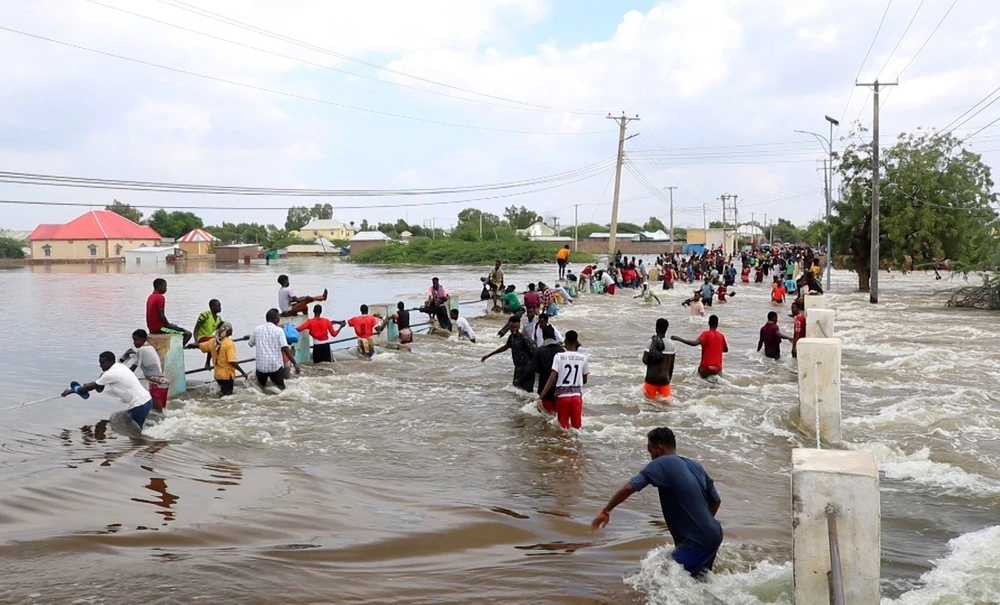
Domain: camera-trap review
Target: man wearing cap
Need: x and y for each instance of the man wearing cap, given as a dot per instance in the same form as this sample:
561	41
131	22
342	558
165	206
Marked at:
522	350
566	379
688	499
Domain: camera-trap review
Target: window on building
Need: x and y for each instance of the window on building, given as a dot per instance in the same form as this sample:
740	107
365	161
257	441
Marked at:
93	249
118	249
47	250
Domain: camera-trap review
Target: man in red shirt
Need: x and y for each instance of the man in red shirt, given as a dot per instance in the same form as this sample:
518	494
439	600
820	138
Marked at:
778	293
713	344
771	337
156	318
322	330
365	326
799	330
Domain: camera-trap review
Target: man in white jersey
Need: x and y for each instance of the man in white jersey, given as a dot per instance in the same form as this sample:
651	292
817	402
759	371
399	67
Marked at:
122	383
569	373
464	329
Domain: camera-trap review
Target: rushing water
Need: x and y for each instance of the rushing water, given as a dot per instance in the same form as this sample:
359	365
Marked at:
424	477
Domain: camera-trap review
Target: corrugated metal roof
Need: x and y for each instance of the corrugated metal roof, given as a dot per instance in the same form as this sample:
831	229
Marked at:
197	235
95	225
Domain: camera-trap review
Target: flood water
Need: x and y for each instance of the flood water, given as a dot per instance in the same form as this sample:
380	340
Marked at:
424	477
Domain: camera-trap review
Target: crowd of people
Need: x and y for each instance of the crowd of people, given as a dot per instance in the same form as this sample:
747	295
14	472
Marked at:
546	362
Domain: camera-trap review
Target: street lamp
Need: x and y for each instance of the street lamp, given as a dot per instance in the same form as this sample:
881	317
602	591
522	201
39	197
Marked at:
828	183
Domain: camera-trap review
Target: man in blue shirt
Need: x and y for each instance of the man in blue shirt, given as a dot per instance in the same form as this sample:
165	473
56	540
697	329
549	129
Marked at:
687	497
707	292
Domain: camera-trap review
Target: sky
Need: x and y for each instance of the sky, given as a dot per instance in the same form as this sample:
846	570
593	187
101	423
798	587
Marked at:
314	94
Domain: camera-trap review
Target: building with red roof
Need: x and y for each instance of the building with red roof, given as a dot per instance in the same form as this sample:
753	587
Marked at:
96	235
197	242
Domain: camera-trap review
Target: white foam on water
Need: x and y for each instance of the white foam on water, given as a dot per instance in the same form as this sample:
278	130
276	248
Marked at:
919	468
665	582
969	574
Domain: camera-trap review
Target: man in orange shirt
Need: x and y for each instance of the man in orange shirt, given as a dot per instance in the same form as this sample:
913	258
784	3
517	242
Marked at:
562	259
322	330
778	293
365	326
713	344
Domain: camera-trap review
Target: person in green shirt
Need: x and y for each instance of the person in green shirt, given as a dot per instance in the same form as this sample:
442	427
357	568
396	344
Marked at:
510	301
207	324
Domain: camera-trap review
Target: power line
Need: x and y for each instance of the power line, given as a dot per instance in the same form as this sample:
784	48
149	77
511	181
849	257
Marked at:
246	26
900	41
865	60
335	69
284	208
25	178
980	130
980	102
290	94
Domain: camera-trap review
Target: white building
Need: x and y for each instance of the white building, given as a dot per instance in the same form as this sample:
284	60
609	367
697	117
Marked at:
620	237
538	229
151	256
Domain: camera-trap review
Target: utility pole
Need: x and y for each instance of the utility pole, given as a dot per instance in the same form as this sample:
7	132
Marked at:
576	225
876	229
763	231
671	218
704	216
754	225
622	122
480	224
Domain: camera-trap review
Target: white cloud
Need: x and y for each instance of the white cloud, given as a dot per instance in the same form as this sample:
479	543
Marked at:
701	73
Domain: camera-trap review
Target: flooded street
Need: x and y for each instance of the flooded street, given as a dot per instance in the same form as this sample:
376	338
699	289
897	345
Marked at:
425	477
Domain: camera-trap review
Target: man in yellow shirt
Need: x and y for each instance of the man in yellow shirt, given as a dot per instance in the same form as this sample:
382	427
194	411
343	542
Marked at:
222	349
562	259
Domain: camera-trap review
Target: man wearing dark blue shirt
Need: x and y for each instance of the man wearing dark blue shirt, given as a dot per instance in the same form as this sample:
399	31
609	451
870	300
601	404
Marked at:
687	497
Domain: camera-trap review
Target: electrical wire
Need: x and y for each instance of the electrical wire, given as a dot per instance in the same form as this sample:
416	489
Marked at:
246	26
980	130
284	208
900	41
949	129
335	69
865	60
919	50
23	178
292	94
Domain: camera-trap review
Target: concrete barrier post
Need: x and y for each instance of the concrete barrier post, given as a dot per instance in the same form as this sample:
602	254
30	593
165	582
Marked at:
383	310
454	303
819	387
303	348
814	301
170	348
819	323
847	481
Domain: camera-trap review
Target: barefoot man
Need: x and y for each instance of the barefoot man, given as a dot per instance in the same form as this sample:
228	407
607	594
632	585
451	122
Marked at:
289	304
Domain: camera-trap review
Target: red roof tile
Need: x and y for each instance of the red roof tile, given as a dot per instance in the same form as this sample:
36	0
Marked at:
95	225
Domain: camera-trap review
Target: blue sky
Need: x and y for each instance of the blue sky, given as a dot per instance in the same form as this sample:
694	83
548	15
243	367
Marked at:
720	86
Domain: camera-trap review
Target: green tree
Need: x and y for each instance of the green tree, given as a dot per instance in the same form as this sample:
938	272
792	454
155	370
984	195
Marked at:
174	224
654	224
628	228
585	230
934	204
815	233
321	212
125	210
11	248
785	232
520	218
298	217
471	221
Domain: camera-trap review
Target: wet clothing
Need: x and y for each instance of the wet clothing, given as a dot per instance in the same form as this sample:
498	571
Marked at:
542	361
222	357
659	361
512	302
522	351
277	377
707	291
713	344
532	299
364	325
686	491
320	328
770	336
123	384
139	413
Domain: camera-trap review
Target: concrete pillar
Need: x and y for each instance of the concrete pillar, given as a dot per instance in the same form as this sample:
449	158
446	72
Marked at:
815	301
847	481
170	348
303	348
819	386
391	333
819	323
